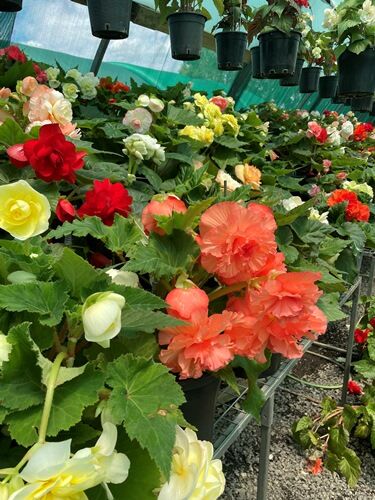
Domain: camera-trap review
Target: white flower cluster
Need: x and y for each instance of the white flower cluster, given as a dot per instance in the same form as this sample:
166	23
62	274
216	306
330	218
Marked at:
367	13
359	188
87	84
331	19
144	147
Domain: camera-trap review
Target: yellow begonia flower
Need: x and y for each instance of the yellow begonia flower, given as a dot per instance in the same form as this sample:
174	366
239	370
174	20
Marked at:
194	475
51	472
200	100
201	134
232	123
212	112
23	211
249	174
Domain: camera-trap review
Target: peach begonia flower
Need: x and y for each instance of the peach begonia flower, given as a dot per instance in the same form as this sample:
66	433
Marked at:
286	311
249	174
70	129
238	243
48	104
160	205
5	93
29	85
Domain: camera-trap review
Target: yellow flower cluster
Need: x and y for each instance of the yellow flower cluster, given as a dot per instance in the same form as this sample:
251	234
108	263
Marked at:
214	119
201	134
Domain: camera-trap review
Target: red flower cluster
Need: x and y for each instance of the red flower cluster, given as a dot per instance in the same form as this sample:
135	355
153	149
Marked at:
315	130
316	467
362	131
360	336
355	210
40	75
113	87
354	388
220	101
13	53
51	156
303	3
372	322
166	207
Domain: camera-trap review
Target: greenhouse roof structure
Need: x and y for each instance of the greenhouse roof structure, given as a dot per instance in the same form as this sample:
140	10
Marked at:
59	31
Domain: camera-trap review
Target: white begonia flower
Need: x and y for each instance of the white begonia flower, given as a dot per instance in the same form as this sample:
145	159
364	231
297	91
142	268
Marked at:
222	178
101	317
5	349
367	13
359	188
334	136
315	215
316	52
125	278
156	105
88	83
292	202
74	74
307	44
331	19
144	147
143	100
194	474
138	119
347	130
315	114
70	91
52	74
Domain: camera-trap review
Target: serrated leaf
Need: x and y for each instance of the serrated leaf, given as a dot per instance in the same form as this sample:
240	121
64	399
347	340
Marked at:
310	231
183	221
329	304
179	116
11	133
366	368
45	299
350	467
332	246
355	234
139	320
80	228
138	298
338	440
328	405
302	424
350	417
145	398
164	256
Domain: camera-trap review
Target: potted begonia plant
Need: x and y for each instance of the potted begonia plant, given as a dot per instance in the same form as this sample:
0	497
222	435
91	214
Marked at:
231	40
110	19
186	21
10	5
276	24
329	81
312	54
352	24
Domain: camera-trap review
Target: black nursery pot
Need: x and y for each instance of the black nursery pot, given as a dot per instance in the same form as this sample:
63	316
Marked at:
357	73
373	110
278	53
293	80
230	49
308	83
10	5
328	86
255	63
110	19
363	104
199	409
186	34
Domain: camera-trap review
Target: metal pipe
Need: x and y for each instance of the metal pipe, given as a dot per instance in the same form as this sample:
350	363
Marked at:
99	56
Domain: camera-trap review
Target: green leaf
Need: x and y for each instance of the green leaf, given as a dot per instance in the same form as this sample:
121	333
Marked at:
20	385
355	234
310	231
366	368
227	374
183	221
338	440
80	228
328	405
350	417
164	256
332	246
138	298
179	116
302	424
139	320
329	304
145	398
229	142
350	467
45	299
11	133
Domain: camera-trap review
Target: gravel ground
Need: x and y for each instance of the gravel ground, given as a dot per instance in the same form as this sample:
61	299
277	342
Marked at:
288	477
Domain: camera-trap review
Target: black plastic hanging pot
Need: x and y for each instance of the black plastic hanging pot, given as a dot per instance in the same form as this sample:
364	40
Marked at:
199	409
110	19
186	34
356	73
363	103
255	63
293	80
10	5
308	83
339	99
328	86
278	53
373	110
230	49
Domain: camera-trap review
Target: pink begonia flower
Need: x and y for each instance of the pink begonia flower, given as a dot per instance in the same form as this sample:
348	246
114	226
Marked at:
314	190
166	207
327	166
315	130
139	120
5	93
48	104
221	102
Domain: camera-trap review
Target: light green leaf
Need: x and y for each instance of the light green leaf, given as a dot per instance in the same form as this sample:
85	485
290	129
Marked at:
332	246
183	221
350	467
310	231
329	304
11	133
139	320
366	368
145	398
179	116
80	228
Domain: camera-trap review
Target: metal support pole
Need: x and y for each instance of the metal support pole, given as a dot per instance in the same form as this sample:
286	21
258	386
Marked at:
99	56
353	321
316	103
265	443
371	275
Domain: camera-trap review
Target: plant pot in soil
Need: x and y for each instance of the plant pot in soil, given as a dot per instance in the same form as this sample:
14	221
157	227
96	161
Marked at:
293	80
10	5
308	83
278	53
255	63
328	86
363	104
356	73
186	34
230	49
199	409
110	19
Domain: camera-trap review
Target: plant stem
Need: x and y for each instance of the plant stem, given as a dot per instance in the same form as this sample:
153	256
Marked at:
225	290
318	386
49	396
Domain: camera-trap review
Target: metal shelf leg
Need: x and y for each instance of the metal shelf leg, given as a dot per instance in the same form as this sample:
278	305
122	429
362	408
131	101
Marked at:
371	276
265	442
353	321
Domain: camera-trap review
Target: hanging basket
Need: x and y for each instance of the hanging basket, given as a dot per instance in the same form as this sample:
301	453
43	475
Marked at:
186	34
363	104
199	409
230	49
110	19
255	63
309	80
10	5
356	73
278	53
293	80
328	86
